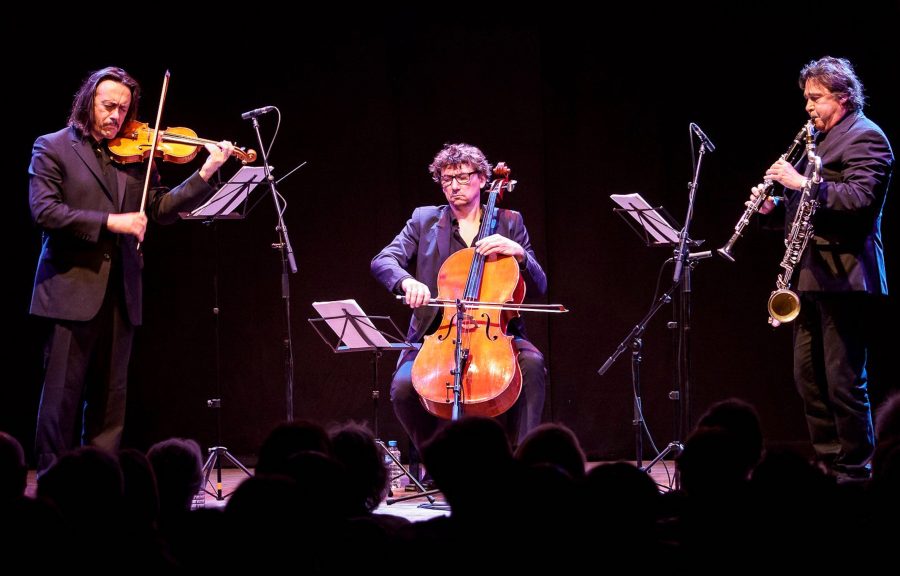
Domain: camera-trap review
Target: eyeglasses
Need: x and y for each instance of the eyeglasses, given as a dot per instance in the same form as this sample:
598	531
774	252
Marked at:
463	178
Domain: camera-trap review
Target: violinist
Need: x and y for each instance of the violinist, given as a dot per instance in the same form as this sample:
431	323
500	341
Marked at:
87	288
409	266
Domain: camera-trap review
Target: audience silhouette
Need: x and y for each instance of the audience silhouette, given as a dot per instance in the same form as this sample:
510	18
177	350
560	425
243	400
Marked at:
316	503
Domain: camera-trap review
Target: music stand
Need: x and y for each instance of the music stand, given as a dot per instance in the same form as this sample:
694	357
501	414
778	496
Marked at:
653	225
222	205
356	332
657	228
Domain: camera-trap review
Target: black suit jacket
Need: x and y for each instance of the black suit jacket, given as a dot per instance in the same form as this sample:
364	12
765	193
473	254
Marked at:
424	244
70	200
846	252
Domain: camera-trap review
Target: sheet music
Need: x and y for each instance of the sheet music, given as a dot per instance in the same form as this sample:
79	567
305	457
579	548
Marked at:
648	217
336	312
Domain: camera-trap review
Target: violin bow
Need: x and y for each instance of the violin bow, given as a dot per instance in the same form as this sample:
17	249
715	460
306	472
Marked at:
153	146
441	302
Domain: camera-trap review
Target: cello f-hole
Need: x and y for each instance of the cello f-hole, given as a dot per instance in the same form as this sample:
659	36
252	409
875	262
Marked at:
487	326
444	336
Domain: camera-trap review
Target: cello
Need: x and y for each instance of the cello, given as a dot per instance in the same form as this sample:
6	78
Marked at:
470	360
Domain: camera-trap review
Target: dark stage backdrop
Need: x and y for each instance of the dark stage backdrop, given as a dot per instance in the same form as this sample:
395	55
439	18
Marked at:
579	108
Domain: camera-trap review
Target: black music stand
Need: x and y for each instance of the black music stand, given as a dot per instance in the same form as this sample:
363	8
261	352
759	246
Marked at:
655	227
357	332
229	197
223	205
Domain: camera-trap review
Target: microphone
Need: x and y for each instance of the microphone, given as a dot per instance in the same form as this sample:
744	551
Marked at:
257	112
700	255
703	137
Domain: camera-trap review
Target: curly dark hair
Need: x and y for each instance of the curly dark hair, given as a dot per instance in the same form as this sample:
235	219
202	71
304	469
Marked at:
82	116
838	76
457	154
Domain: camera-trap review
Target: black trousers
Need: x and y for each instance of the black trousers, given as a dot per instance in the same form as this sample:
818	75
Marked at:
524	415
85	378
830	350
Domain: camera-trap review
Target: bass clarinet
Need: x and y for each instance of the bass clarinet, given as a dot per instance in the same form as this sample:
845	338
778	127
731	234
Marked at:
784	304
725	251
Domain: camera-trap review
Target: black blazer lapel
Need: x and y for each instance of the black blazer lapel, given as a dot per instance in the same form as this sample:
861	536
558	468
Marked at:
835	136
121	177
444	231
89	157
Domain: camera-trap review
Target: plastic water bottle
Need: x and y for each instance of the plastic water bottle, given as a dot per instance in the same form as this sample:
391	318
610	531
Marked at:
199	500
395	473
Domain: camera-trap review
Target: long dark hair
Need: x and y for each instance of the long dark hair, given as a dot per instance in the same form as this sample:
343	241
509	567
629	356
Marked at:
838	76
82	116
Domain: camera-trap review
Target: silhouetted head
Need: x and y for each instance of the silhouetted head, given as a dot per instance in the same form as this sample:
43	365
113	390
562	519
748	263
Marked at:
13	469
554	444
741	420
287	439
353	445
466	456
178	466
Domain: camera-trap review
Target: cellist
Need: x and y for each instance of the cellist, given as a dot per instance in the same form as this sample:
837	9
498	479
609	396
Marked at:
409	266
87	287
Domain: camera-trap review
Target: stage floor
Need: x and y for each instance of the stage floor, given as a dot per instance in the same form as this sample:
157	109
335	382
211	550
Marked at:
414	509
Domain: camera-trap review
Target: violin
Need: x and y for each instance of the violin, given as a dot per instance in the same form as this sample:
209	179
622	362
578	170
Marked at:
178	145
490	379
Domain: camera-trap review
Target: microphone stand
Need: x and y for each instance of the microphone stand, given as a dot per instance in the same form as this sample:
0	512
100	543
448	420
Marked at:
684	263
461	356
635	342
681	251
287	260
682	277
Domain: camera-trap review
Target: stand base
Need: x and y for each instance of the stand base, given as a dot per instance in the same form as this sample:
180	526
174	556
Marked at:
421	491
216	453
674	448
435	506
430	505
